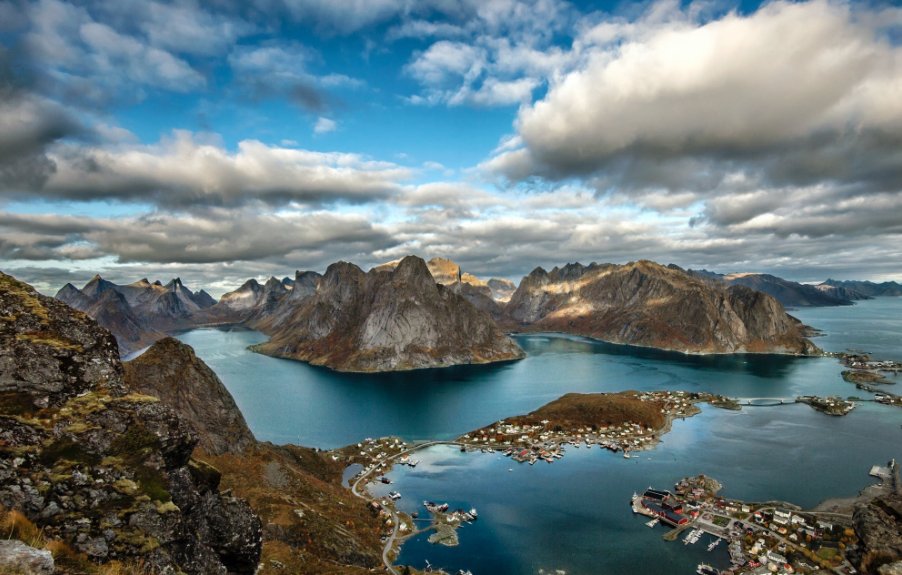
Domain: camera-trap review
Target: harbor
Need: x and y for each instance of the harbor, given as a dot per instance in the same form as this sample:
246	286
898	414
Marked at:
772	537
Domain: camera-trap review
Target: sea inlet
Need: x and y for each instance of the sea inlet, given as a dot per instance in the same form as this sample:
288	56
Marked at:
574	515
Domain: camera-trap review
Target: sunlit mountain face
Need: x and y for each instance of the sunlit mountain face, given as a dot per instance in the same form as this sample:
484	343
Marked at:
221	141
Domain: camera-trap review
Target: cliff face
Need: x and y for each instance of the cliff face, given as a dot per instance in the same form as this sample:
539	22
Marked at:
170	371
394	319
103	469
647	304
878	524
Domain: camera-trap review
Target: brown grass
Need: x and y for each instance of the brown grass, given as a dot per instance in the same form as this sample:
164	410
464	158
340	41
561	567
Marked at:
596	410
15	525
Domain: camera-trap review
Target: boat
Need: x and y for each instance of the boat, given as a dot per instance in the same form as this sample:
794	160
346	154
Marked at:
705	569
626	454
653	522
394	495
714	544
473	513
385	480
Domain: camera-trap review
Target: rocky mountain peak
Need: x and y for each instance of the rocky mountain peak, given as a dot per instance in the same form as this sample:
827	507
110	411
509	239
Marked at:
392	318
646	303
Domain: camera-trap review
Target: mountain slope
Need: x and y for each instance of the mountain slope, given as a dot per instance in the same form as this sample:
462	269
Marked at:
172	372
98	467
644	303
787	292
394	319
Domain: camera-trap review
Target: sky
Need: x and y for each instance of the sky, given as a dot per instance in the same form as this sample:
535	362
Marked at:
220	140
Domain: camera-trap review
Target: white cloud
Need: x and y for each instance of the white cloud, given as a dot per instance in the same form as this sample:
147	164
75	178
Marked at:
75	48
499	54
324	126
185	170
737	84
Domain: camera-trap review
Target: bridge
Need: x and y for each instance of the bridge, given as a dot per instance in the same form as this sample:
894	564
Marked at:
765	401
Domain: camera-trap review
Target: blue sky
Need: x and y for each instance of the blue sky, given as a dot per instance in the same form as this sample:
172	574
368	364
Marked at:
219	141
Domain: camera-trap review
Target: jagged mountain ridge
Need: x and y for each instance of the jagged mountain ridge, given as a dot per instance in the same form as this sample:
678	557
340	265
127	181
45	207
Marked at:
868	288
644	303
393	318
787	292
138	313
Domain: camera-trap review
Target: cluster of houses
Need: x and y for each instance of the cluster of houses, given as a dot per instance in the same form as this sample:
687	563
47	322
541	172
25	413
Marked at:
763	539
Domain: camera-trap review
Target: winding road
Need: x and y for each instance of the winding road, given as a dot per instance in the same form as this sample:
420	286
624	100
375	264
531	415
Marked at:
390	542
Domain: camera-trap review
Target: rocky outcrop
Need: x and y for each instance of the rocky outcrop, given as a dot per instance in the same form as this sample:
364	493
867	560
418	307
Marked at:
170	371
17	557
644	303
878	524
104	469
389	319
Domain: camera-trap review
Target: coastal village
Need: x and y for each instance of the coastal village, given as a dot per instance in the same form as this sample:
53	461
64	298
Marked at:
761	538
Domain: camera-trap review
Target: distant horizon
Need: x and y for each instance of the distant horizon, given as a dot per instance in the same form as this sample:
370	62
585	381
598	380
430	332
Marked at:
221	141
51	290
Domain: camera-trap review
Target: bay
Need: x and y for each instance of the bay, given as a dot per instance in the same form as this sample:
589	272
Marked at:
574	515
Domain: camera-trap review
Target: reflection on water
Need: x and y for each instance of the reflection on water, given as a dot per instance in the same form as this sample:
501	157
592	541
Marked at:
290	402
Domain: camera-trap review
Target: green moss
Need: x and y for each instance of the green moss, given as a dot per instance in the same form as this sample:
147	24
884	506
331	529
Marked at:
133	445
152	483
28	298
204	474
66	449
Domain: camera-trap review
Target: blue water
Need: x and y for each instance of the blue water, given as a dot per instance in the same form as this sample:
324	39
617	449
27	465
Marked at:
869	325
574	514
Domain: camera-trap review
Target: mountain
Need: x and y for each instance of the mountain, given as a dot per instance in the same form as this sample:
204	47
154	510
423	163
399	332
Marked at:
172	372
302	287
394	318
471	288
787	292
840	292
644	303
102	470
138	313
502	289
869	289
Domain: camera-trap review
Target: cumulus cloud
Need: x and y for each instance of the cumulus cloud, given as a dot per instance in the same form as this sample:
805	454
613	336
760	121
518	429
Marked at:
283	71
765	122
496	54
184	170
86	59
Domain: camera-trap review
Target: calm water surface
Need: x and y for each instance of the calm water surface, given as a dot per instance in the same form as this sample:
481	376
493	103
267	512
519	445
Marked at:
574	515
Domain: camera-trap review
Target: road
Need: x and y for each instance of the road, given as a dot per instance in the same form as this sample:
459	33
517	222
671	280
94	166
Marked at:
390	542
